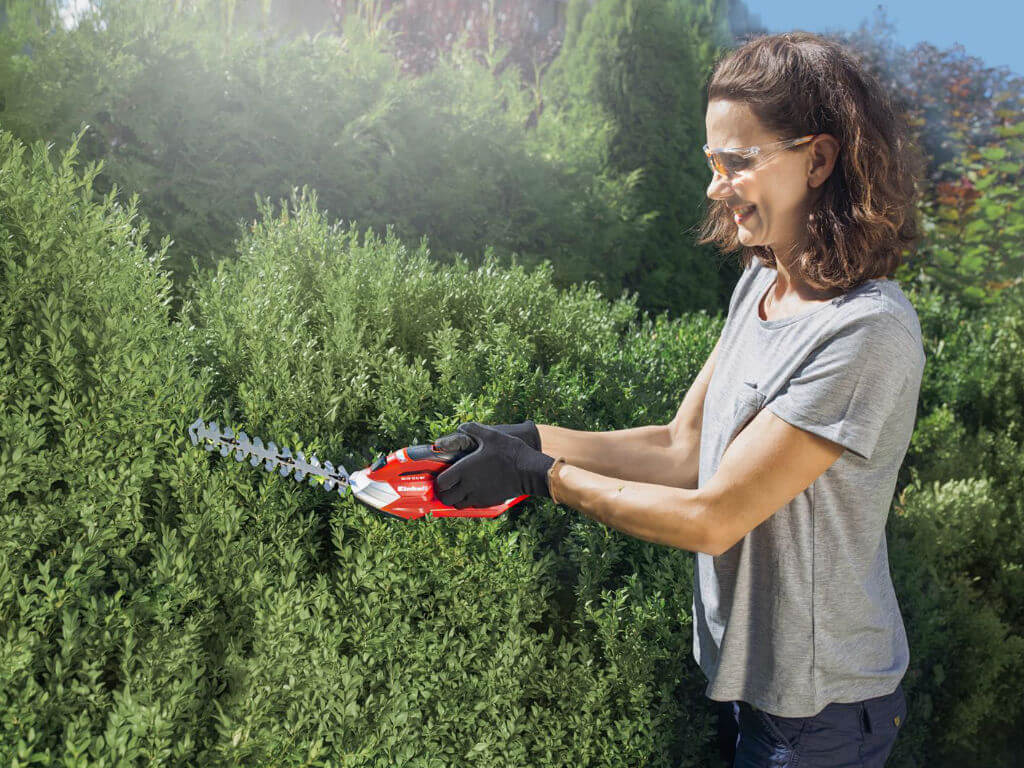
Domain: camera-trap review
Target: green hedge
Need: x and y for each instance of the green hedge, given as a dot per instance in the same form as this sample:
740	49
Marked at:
102	638
162	604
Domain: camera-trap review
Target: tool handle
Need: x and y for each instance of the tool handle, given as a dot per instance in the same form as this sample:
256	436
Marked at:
457	443
416	453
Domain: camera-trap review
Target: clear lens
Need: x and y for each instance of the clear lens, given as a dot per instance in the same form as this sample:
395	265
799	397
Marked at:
733	162
728	163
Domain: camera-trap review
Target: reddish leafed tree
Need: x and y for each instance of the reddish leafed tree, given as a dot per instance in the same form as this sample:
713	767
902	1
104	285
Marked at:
954	102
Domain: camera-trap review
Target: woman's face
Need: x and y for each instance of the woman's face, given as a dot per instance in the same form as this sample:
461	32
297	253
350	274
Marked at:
781	189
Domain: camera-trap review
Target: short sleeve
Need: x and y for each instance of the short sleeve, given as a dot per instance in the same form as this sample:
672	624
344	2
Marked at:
848	386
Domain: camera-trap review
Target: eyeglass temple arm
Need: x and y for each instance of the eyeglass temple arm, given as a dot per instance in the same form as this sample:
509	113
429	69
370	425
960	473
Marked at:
784	144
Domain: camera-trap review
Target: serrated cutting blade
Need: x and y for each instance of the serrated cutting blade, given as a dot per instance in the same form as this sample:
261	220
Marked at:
327	475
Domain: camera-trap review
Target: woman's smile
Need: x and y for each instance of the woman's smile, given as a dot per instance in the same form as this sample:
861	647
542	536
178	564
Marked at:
741	214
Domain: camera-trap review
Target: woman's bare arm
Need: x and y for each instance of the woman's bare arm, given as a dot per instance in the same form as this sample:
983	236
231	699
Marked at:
666	454
640	453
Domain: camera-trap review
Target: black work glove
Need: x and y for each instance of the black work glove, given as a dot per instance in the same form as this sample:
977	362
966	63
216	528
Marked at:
500	467
526	431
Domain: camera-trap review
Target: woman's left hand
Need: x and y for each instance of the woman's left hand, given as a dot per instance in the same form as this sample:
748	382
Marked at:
500	468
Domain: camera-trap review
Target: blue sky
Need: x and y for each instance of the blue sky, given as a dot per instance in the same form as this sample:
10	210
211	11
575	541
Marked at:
988	29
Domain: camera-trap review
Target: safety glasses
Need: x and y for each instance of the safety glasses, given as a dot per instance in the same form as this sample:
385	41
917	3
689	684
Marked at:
729	161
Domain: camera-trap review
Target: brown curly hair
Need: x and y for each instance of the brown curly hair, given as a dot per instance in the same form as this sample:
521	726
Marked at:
797	83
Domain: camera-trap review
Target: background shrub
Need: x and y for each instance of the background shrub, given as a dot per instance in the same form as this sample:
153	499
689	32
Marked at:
201	118
640	66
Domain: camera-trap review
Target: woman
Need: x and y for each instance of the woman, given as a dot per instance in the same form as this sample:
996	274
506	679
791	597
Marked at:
779	468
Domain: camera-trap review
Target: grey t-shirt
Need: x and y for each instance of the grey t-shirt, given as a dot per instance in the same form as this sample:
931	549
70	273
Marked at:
801	612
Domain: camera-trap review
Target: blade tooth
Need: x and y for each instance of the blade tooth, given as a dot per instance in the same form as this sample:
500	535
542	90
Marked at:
299	475
193	431
272	463
224	449
285	453
332	479
243	448
258	445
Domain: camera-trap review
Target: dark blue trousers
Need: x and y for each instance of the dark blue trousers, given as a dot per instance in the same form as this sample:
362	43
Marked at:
857	735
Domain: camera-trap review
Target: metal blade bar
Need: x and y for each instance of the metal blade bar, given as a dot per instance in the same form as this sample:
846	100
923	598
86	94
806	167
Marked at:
326	475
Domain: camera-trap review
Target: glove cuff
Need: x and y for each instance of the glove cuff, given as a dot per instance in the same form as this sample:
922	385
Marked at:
533	469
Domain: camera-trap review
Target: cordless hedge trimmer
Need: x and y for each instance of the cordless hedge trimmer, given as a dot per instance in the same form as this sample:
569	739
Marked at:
399	484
